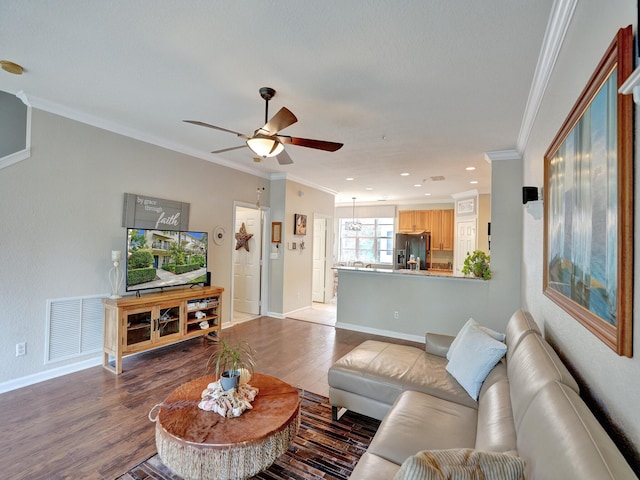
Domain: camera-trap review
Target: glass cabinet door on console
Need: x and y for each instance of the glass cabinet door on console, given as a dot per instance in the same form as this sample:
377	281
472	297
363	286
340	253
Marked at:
139	326
168	323
148	325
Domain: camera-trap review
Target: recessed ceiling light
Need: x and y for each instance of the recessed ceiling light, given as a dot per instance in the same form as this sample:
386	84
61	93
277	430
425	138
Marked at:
427	194
418	185
405	174
470	168
348	179
473	182
368	189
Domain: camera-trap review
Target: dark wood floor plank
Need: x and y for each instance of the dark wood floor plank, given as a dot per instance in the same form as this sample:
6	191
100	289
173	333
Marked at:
93	424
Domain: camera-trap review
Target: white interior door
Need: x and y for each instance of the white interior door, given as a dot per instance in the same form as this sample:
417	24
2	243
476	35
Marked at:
319	260
246	264
465	241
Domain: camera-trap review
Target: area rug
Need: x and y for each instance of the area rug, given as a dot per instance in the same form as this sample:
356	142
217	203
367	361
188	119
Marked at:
323	449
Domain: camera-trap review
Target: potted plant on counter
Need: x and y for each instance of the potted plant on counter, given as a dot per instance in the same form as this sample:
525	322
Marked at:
230	362
477	264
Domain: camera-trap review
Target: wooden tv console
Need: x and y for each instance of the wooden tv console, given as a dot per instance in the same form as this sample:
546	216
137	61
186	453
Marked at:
133	324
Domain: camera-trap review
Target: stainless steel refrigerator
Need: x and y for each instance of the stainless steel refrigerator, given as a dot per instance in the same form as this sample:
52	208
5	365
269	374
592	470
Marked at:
416	244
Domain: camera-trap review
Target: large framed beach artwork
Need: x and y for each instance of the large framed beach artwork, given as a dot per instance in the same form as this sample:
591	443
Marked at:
588	208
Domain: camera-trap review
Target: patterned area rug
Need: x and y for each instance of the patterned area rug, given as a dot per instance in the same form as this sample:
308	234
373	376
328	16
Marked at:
323	449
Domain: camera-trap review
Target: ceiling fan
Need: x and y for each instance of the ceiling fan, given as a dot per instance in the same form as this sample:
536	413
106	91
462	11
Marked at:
266	141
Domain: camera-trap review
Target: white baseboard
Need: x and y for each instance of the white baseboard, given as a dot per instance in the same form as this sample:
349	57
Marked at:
49	374
377	331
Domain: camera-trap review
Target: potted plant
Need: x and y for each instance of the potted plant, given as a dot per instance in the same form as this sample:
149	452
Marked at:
477	263
229	361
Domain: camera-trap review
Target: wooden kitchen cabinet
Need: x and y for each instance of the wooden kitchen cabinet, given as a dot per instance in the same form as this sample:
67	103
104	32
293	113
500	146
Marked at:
442	230
438	222
413	221
134	324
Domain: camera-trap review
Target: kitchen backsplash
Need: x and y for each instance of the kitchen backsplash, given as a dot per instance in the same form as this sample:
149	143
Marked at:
442	259
441	266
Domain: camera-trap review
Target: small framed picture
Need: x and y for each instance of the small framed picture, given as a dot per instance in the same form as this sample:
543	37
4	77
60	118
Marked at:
300	224
467	206
276	232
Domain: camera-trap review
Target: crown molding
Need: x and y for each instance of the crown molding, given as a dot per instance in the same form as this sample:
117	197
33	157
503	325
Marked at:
632	85
499	155
559	20
99	122
468	193
293	178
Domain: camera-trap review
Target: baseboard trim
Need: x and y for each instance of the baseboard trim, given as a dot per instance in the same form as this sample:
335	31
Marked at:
49	374
377	331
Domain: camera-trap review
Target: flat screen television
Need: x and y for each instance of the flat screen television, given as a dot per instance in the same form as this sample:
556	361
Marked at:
163	258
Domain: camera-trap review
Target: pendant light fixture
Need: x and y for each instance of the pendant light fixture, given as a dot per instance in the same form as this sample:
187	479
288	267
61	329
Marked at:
353	225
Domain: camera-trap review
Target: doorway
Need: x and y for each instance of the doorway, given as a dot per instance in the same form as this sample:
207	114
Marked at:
247	261
319	274
466	242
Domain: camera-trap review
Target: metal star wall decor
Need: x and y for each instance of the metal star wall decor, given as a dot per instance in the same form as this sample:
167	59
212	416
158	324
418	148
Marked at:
242	238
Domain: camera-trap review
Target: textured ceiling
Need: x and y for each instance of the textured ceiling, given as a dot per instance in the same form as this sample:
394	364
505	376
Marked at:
424	87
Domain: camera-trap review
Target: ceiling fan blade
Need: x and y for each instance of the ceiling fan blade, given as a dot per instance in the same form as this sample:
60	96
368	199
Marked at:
279	121
284	158
307	142
229	149
202	124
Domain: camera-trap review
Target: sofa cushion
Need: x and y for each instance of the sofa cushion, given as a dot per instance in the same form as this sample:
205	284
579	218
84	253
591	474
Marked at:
496	431
519	326
533	365
381	371
474	357
437	343
559	437
371	467
460	464
418	421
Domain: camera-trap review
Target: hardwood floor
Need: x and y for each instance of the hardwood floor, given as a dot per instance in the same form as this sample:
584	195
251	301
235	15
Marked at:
93	424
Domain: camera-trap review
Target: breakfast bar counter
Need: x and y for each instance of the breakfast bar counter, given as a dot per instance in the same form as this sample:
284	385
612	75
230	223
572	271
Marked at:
407	303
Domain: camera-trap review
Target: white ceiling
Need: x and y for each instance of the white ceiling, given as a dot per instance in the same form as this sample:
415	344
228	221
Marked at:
424	87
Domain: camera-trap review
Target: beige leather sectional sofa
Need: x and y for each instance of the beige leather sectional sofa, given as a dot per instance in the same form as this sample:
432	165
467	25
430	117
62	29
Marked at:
528	405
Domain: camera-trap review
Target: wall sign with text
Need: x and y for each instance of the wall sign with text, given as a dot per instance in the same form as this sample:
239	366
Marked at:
144	212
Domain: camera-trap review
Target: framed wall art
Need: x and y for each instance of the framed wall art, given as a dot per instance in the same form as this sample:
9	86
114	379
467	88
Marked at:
276	232
300	224
588	209
466	206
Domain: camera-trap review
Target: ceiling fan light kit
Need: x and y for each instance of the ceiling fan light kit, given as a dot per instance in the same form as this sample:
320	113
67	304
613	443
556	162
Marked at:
265	146
265	141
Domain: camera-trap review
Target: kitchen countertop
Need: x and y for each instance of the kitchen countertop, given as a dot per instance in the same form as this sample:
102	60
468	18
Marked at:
417	273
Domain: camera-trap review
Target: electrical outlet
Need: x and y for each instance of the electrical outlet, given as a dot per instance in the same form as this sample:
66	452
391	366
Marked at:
396	315
21	349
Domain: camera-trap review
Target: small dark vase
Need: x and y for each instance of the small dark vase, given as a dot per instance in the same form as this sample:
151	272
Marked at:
229	379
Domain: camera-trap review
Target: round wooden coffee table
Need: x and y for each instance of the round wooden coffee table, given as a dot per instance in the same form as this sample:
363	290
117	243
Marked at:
196	444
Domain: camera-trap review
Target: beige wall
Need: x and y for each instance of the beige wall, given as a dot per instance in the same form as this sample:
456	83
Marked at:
610	379
484	217
61	216
298	263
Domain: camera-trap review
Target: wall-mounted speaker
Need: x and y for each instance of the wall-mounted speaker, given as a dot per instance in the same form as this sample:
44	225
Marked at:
529	194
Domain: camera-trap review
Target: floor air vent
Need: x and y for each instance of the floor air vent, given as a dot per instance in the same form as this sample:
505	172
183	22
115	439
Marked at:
74	327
